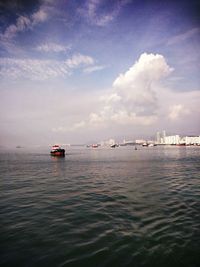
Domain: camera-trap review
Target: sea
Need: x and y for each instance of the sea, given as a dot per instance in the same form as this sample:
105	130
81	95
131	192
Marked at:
100	207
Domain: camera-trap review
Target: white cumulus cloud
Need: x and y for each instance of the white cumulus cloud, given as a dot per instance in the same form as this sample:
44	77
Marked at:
132	100
136	86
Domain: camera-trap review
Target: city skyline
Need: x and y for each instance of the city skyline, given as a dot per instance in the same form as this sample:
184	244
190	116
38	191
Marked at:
74	71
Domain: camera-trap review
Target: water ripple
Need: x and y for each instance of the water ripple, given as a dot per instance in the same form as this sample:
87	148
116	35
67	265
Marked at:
101	208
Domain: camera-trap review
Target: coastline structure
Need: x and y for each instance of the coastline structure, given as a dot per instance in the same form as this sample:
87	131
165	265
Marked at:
163	139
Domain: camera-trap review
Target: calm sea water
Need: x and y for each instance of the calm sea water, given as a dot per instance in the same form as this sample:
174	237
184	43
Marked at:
101	207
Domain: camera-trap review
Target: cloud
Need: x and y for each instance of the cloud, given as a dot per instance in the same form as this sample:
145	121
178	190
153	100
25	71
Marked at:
64	129
36	69
177	111
136	86
24	23
78	60
93	69
121	117
33	69
111	98
39	16
97	12
52	47
183	36
132	100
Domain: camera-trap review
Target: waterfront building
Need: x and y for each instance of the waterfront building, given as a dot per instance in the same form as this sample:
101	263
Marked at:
128	142
176	139
164	135
172	140
158	138
192	140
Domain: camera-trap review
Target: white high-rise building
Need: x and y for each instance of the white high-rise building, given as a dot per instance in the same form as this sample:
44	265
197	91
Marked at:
172	140
158	138
164	134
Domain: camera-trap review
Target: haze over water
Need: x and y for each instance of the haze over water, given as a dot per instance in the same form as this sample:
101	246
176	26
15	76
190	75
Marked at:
101	207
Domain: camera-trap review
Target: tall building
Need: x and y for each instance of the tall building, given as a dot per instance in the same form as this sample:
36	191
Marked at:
158	138
164	136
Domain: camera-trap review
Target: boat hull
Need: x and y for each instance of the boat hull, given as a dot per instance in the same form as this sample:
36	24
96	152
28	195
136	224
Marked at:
60	153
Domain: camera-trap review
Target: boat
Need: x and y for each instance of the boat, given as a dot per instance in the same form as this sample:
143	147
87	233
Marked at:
57	151
19	147
114	145
95	145
145	144
151	145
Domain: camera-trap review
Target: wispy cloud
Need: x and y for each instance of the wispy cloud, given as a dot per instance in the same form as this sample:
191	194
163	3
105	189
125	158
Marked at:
39	16
93	69
36	69
21	24
33	69
24	23
53	47
96	13
183	36
78	60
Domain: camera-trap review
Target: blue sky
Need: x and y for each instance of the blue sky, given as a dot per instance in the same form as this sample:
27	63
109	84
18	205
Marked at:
75	71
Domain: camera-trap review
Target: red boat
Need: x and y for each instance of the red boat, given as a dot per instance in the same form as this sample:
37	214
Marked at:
57	151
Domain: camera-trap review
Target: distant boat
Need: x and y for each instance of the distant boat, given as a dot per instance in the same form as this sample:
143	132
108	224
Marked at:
95	145
114	145
151	144
57	151
144	144
19	147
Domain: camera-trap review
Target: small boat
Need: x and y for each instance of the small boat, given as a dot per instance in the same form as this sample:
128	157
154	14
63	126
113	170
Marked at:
151	145
145	144
57	151
95	145
114	145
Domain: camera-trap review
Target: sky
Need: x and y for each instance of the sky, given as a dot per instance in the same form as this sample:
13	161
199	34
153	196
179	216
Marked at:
80	71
